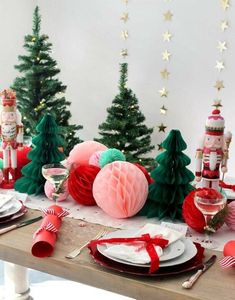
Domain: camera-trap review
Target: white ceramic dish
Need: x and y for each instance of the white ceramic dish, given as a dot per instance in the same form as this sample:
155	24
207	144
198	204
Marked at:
171	256
15	207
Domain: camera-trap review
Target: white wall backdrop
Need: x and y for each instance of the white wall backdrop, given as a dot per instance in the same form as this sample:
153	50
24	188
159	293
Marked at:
86	44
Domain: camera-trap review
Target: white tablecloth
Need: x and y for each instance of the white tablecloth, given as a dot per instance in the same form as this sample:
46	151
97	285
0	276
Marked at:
94	214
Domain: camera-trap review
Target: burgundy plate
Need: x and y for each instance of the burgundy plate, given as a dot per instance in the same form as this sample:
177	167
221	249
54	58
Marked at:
194	263
15	216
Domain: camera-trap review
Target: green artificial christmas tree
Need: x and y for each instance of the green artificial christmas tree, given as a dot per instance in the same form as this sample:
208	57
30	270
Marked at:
39	90
172	180
124	128
45	151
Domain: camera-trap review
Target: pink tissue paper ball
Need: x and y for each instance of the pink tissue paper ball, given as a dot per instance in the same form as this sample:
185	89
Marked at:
120	189
81	153
94	159
230	218
49	189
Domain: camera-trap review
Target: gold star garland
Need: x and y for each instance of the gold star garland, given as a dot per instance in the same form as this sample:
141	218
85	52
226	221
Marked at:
222	47
125	33
167	37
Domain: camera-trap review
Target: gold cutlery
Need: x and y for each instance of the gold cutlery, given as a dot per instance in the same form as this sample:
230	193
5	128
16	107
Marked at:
20	224
77	251
190	282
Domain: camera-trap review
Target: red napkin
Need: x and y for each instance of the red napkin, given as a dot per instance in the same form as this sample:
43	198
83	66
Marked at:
44	238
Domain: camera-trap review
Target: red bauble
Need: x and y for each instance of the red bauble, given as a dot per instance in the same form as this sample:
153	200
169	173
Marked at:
80	183
192	216
22	159
146	174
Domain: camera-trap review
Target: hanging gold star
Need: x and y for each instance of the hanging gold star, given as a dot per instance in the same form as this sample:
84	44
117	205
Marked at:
225	4
162	128
224	25
33	39
219	65
125	17
166	55
124	53
217	103
125	34
222	46
167	36
163	110
219	85
163	92
168	16
160	148
125	1
165	74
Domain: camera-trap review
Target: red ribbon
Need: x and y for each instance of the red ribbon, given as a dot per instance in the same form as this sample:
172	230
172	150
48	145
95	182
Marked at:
149	244
226	186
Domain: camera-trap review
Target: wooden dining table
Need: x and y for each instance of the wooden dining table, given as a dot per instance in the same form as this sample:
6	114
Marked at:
15	247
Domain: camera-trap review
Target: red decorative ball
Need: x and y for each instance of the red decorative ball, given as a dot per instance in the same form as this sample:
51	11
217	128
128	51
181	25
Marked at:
80	183
192	216
146	174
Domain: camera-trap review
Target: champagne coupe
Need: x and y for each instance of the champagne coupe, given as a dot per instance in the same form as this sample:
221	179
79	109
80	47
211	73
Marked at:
56	174
209	207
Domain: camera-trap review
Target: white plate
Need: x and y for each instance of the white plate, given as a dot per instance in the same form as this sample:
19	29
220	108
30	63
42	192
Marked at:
171	256
4	202
15	207
6	206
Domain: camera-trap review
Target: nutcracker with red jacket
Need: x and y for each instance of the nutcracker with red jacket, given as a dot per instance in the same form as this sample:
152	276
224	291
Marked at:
212	156
11	131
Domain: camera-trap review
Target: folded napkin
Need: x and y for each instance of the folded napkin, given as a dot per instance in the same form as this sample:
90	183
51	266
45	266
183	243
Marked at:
4	199
136	253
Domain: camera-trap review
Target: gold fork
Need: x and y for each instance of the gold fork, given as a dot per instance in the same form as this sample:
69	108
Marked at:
77	251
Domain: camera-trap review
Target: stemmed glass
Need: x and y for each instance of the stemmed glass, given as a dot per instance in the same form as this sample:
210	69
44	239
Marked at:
56	174
209	207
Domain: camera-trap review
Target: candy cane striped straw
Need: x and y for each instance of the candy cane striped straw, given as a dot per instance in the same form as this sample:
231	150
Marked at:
227	261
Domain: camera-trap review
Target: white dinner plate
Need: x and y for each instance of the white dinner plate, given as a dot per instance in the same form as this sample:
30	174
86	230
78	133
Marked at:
170	257
15	207
6	206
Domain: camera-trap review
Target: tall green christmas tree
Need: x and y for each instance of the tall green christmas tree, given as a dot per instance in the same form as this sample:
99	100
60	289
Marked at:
39	90
172	180
45	151
124	128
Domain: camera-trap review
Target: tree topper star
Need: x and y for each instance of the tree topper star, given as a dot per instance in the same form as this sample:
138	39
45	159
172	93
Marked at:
125	34
225	4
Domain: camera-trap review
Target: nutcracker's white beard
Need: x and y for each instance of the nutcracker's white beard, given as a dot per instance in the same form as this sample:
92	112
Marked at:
213	160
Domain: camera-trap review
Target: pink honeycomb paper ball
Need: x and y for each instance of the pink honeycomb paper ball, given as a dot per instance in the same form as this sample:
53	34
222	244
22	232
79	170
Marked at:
230	218
49	190
120	189
81	153
94	159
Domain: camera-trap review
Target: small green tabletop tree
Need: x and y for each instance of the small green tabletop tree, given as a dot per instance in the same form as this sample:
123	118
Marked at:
172	180
45	151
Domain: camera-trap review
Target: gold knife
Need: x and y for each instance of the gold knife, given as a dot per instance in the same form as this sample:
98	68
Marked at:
190	282
20	224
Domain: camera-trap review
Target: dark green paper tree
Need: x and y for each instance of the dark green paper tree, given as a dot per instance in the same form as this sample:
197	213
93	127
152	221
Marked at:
172	180
45	151
39	90
124	128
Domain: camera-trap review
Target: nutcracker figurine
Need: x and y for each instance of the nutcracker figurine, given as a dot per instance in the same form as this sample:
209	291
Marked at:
212	156
11	131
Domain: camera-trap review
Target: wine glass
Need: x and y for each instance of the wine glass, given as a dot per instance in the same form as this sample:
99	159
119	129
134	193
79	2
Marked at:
27	140
209	204
56	174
